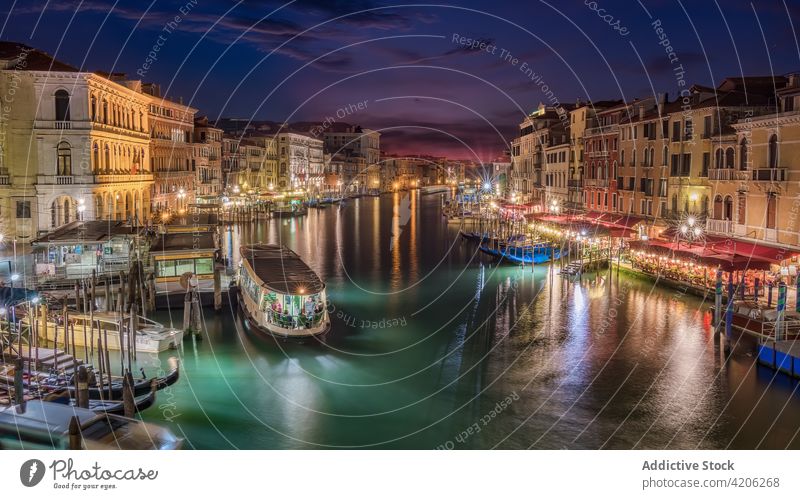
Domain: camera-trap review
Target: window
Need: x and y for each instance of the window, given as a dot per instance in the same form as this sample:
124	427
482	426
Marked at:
165	268
773	151
183	266
706	164
742	208
729	157
62	105
686	164
743	154
707	126
64	159
204	266
772	207
674	165
688	129
676	131
23	209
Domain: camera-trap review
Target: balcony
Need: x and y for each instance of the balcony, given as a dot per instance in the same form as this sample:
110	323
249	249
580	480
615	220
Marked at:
770	175
719	226
575	184
122	178
596	182
606	129
726	174
64	179
5	180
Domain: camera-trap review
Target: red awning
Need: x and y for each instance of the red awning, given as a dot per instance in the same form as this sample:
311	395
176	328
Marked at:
751	250
705	254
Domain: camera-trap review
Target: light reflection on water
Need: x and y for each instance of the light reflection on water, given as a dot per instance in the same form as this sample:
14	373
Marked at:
429	336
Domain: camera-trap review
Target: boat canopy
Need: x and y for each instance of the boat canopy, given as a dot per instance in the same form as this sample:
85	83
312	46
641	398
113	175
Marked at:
280	269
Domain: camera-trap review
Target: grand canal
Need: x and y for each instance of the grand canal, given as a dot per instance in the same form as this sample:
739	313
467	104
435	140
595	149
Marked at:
432	346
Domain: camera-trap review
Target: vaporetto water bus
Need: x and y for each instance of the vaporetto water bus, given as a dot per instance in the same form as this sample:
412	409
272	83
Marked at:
151	336
279	294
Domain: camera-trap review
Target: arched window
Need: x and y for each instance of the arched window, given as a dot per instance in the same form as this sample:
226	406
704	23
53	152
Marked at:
741	215
93	108
652	156
107	160
718	207
728	208
62	105
96	158
64	159
718	159
729	158
105	111
743	154
772	210
665	158
646	156
773	151
622	156
614	171
633	158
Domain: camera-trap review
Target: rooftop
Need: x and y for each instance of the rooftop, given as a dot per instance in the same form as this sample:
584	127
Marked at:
281	269
19	56
183	241
83	232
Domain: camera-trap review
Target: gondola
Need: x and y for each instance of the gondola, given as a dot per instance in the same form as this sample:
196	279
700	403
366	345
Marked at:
141	386
106	406
530	254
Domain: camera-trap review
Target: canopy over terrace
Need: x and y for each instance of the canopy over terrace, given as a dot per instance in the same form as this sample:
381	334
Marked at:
594	224
706	254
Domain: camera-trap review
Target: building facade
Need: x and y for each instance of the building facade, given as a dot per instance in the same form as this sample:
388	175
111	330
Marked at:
171	152
74	145
208	161
300	161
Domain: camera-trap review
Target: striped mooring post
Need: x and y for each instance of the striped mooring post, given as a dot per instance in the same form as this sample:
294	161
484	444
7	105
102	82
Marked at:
781	309
718	301
729	310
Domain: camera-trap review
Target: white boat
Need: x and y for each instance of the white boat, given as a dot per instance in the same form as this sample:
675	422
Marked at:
279	294
151	336
38	425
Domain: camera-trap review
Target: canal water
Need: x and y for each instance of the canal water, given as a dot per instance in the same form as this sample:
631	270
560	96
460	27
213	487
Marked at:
435	346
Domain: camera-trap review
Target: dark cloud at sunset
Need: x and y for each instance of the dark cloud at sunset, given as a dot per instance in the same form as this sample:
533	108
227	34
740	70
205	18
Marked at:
304	60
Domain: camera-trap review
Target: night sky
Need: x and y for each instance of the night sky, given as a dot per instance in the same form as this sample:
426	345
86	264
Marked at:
314	59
